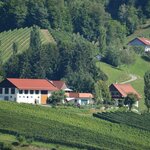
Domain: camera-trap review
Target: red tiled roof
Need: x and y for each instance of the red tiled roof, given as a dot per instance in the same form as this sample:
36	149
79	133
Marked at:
32	84
79	95
126	89
59	84
144	40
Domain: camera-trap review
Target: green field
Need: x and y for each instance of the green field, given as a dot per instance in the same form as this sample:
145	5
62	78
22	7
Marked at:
57	126
128	118
22	38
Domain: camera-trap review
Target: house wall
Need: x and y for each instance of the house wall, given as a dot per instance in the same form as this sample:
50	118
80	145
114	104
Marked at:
114	92
147	49
24	98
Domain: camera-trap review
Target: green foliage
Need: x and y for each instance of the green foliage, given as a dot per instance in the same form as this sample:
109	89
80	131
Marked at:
127	118
61	126
130	100
102	93
57	97
147	89
112	56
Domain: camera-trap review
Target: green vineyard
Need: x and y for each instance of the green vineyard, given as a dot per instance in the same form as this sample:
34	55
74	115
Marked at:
56	125
22	38
128	118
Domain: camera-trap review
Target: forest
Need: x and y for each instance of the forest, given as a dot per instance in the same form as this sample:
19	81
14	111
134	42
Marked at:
88	28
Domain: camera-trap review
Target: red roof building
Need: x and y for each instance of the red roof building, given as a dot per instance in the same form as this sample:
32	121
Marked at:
119	91
141	41
26	90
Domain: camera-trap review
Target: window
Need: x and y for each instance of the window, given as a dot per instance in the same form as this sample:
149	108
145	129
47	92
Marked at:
31	91
6	90
25	91
19	96
20	91
37	92
27	97
12	90
44	92
10	96
1	91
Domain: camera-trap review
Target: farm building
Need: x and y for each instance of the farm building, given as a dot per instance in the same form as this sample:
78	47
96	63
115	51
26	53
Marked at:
120	91
61	85
144	42
26	90
80	98
36	91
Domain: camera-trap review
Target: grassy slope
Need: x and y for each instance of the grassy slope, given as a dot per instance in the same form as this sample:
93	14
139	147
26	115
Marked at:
62	127
121	74
20	36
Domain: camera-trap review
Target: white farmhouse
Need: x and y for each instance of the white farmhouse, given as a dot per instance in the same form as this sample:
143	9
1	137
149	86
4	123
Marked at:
26	90
141	42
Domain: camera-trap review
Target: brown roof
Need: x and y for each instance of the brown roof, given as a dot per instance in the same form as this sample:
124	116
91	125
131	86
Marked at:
79	95
126	89
32	84
59	84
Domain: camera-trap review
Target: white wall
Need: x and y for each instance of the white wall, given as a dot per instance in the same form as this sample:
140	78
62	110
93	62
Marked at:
29	98
147	49
22	98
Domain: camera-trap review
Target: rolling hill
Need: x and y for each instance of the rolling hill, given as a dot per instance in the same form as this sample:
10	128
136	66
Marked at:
22	38
63	127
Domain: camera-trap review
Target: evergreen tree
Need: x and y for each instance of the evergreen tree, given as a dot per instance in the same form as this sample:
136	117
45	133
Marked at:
147	89
102	40
15	48
102	93
26	68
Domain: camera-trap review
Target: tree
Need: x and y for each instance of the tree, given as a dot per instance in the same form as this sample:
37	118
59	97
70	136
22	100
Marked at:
57	97
102	40
147	90
15	48
37	14
130	100
102	93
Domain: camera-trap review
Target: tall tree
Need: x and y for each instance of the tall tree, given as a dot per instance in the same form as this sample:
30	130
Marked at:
147	90
102	93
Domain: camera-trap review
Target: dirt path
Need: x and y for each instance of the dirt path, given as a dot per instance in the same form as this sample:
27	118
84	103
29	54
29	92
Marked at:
48	36
133	78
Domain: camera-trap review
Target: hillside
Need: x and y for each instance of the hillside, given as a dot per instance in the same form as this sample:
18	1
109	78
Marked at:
22	38
62	126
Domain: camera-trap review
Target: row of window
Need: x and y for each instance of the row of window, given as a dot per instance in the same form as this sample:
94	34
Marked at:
32	92
27	97
6	91
12	91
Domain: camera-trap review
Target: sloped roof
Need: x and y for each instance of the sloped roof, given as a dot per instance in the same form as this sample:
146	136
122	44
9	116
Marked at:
32	84
79	95
59	84
144	40
126	89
